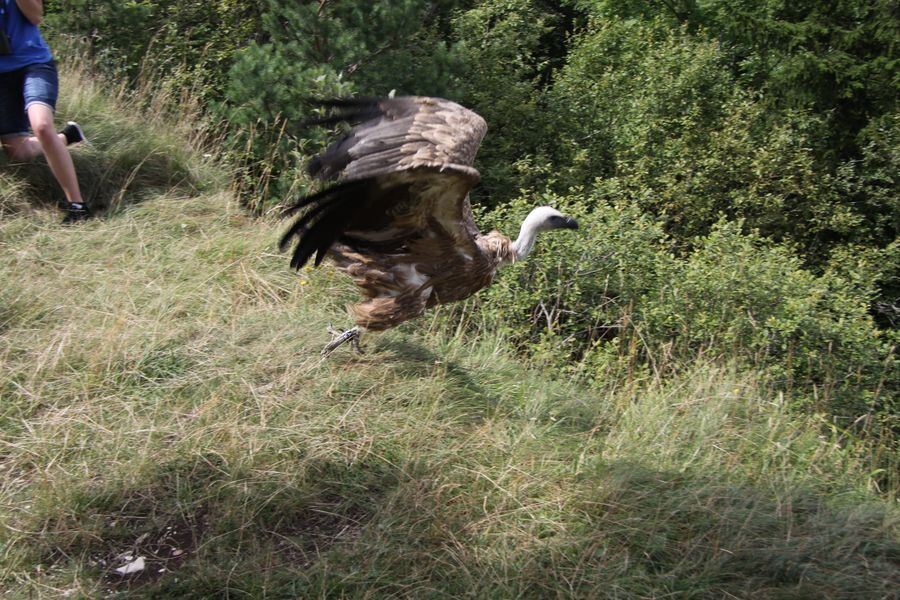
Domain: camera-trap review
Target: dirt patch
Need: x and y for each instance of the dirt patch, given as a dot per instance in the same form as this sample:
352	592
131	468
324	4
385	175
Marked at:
153	553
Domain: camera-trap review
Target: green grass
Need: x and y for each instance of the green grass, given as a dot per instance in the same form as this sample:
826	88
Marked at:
163	396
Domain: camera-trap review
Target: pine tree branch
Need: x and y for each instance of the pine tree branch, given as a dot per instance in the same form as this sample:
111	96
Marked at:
350	69
427	14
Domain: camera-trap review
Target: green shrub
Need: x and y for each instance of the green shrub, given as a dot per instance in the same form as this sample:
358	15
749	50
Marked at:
265	100
509	51
615	300
326	50
658	110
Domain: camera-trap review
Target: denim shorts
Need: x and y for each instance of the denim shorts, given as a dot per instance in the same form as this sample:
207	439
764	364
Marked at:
20	89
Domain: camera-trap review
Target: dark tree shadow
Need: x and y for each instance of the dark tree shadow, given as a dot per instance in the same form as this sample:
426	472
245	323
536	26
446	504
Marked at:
385	528
191	509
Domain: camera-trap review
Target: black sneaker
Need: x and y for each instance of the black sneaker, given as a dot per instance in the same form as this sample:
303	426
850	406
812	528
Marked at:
74	134
76	212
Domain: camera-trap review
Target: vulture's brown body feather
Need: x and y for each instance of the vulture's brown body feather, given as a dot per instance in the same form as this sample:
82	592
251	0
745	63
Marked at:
398	218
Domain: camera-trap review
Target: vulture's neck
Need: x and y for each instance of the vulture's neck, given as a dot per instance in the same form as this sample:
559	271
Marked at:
525	242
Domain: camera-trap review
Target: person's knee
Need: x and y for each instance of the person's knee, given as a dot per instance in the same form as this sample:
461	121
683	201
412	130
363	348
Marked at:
41	118
45	131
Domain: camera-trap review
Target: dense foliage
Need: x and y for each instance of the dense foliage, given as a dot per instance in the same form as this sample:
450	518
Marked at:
783	114
620	303
736	162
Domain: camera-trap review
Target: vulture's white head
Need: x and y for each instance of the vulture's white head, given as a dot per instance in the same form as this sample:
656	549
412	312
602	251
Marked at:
542	218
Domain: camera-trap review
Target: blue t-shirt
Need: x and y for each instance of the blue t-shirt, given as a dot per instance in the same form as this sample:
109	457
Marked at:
28	47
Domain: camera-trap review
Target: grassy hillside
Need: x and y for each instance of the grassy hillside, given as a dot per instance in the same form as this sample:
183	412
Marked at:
163	397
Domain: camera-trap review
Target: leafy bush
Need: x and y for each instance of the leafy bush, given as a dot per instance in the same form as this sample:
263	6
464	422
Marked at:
509	51
615	300
321	50
658	111
266	97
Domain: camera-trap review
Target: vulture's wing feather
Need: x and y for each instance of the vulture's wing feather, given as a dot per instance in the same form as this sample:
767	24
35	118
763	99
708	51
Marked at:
403	174
395	134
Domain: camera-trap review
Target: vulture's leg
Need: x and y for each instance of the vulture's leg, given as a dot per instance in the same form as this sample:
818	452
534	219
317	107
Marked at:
339	337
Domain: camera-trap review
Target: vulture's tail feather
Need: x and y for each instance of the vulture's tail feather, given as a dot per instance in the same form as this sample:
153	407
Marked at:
328	214
324	196
319	237
345	102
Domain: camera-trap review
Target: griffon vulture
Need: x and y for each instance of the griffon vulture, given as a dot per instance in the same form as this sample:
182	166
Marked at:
398	219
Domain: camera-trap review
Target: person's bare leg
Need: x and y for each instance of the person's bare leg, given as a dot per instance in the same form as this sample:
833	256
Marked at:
54	148
24	147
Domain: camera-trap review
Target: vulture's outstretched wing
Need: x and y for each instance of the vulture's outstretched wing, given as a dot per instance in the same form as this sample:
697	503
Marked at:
402	174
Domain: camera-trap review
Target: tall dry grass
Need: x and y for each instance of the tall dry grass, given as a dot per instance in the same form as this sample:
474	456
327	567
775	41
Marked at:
144	140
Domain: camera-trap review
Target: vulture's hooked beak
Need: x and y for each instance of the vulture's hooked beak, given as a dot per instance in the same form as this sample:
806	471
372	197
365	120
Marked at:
570	223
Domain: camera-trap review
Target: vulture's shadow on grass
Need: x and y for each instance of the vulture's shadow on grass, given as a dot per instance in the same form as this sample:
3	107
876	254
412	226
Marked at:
415	361
379	527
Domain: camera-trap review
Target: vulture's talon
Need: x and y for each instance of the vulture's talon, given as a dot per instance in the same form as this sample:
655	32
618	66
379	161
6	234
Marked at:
340	337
